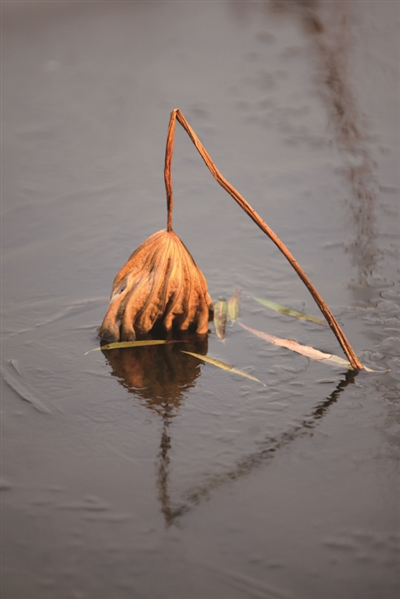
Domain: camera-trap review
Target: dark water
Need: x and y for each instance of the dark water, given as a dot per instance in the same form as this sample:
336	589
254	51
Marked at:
147	474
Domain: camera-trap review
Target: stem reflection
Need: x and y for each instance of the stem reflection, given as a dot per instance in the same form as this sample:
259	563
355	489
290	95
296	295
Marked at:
160	376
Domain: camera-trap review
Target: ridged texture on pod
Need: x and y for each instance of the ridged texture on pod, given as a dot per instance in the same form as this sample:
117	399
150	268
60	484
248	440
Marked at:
160	282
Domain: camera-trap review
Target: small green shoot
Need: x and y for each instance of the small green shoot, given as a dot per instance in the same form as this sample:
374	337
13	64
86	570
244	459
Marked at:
234	306
220	318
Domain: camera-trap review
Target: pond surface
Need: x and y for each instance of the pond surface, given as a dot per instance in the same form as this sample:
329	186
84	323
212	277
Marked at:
146	473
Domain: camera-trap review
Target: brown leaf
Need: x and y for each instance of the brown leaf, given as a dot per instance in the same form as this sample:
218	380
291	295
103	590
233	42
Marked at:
305	350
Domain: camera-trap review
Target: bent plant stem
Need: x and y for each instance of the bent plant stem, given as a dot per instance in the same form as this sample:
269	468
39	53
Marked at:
167	169
334	325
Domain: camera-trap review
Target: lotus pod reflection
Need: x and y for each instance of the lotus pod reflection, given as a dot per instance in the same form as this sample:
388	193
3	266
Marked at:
160	283
159	374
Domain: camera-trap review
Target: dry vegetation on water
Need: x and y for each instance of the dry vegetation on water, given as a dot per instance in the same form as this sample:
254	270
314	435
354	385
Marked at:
161	282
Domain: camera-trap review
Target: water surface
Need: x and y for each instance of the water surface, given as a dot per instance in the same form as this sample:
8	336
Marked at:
146	473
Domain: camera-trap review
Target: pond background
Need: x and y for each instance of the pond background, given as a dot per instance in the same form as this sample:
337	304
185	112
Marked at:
199	483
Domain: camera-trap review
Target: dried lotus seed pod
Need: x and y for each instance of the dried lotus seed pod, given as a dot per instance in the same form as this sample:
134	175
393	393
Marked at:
160	283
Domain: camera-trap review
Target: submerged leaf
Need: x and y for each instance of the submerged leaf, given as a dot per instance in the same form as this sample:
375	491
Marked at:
234	305
122	344
289	311
220	318
223	365
305	350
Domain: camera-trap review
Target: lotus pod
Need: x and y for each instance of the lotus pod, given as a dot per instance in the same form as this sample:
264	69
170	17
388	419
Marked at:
159	283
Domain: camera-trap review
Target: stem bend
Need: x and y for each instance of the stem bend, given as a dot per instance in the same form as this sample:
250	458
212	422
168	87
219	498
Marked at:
176	114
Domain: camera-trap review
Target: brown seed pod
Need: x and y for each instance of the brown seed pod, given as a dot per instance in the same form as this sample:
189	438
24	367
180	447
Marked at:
160	283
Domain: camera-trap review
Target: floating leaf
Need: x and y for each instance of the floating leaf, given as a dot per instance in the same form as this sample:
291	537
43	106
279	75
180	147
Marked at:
123	344
220	318
223	365
289	311
234	305
305	350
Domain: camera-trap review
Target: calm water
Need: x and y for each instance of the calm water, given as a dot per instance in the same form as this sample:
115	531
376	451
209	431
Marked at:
145	473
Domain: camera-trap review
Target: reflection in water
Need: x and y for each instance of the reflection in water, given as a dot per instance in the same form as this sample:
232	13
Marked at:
246	465
163	471
331	40
330	36
160	375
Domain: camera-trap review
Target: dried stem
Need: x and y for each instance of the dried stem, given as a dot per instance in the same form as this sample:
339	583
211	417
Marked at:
167	169
177	115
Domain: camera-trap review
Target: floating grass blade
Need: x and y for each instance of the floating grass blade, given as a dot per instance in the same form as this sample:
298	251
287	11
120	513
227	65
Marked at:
234	305
223	365
305	350
289	311
123	344
220	318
